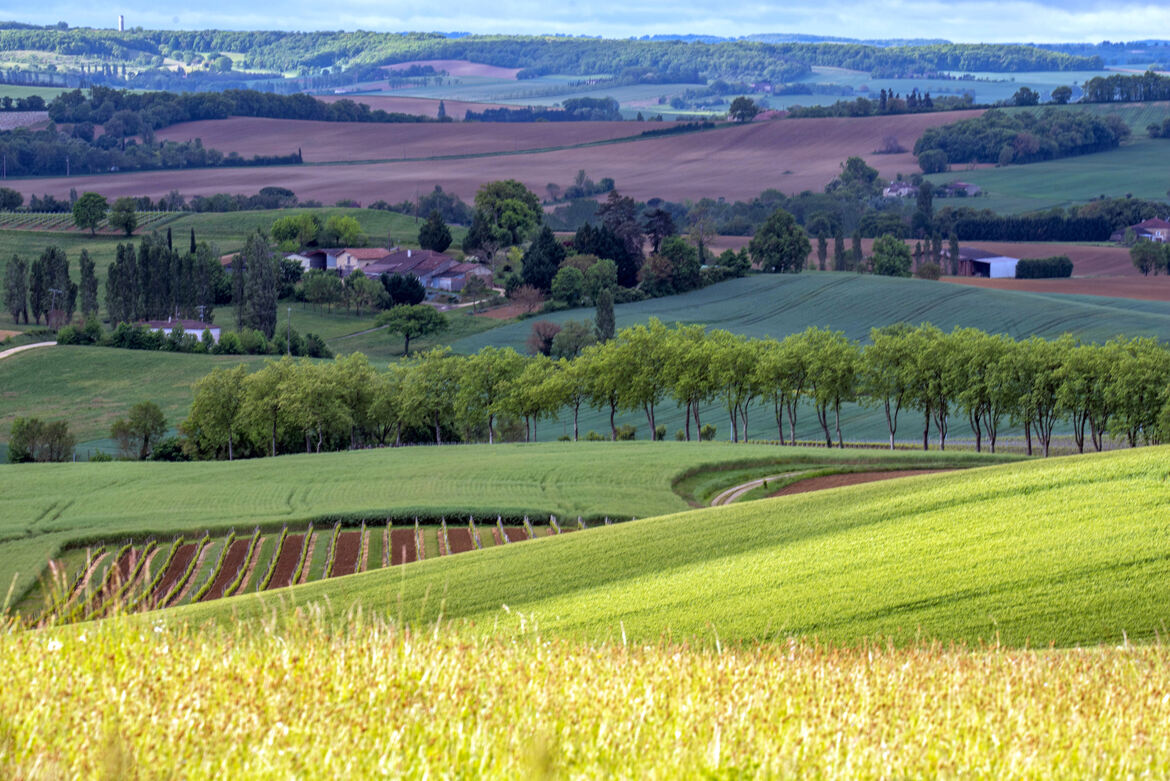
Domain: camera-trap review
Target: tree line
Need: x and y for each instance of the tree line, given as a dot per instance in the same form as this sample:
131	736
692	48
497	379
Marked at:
1019	137
1115	390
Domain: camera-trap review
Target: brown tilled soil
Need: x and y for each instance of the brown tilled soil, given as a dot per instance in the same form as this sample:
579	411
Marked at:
250	567
402	546
345	558
427	107
496	536
458	68
460	539
516	533
175	571
347	141
200	563
115	578
314	538
231	567
734	162
851	478
505	312
286	563
6	334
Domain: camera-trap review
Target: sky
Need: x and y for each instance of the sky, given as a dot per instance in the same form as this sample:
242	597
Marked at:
989	21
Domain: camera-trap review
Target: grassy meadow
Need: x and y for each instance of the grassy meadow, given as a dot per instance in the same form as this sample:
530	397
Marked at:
374	699
45	507
1064	552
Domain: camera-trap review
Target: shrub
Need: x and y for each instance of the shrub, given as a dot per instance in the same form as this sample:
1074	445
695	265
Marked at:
1044	268
660	432
707	433
593	436
680	436
627	432
928	270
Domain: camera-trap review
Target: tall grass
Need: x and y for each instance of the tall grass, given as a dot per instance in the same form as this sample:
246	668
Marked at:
126	699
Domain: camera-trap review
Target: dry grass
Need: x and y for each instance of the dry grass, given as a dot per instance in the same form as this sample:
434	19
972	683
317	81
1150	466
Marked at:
121	699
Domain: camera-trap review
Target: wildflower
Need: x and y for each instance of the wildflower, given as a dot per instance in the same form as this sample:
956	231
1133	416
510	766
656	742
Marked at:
54	645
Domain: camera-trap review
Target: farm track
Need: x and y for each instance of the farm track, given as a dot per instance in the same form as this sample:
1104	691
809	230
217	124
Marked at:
345	558
14	350
364	562
231	567
286	563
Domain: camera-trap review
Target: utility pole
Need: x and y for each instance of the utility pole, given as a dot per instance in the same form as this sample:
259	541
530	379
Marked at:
288	336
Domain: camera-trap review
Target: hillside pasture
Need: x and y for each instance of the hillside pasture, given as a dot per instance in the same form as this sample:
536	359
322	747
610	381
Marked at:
736	162
1064	552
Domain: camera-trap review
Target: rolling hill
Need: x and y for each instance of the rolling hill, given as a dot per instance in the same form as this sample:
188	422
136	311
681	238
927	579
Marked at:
1067	552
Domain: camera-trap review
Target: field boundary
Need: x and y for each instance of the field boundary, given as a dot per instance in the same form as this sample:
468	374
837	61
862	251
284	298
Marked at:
14	350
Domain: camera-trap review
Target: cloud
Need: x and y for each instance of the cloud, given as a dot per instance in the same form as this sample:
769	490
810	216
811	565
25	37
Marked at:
958	20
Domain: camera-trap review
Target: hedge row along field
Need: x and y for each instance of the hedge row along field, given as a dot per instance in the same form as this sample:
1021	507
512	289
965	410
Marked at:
136	577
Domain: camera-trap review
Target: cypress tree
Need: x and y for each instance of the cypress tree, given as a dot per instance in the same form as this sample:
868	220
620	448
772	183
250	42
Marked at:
192	241
857	249
604	320
839	250
89	286
38	290
16	289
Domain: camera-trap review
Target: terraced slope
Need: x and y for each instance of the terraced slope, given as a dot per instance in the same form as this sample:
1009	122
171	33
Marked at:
1068	551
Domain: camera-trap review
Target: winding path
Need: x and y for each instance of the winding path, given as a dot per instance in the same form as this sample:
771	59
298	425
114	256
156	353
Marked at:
14	350
734	493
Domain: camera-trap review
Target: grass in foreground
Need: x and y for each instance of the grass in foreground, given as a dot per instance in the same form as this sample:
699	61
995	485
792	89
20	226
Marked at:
1067	551
376	700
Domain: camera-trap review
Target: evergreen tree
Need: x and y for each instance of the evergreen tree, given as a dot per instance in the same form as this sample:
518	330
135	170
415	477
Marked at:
839	258
259	286
89	286
62	292
542	260
434	234
38	290
16	289
953	251
822	250
442	115
604	319
192	241
856	260
170	244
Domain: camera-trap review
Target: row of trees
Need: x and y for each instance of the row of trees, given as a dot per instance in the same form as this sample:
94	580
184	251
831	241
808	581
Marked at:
43	288
1117	390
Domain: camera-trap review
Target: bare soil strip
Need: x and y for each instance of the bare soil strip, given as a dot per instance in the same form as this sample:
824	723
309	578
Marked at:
460	538
515	533
231	567
115	578
175	571
345	558
403	549
190	584
286	563
250	565
849	478
304	578
499	538
88	577
364	562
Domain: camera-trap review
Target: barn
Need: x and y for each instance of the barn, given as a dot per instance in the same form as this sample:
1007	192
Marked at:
980	263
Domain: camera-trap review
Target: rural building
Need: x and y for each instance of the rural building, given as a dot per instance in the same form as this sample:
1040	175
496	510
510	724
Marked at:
196	327
980	263
1154	229
456	278
421	263
316	259
900	189
351	260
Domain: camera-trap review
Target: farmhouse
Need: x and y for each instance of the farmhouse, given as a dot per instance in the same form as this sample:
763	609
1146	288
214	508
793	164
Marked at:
196	327
456	278
980	263
900	189
1154	229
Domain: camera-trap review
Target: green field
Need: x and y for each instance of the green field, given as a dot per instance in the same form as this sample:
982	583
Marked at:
1068	552
1137	168
44	507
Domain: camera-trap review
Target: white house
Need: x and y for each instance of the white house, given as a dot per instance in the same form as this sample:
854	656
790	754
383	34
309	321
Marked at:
194	327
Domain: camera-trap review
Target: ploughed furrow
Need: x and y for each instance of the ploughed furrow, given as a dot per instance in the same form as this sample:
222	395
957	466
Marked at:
461	540
231	567
179	565
345	558
515	533
286	565
403	548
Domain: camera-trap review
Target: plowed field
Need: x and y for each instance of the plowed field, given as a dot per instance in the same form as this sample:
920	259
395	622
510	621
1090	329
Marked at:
461	541
231	567
286	565
349	548
175	571
733	162
427	107
402	546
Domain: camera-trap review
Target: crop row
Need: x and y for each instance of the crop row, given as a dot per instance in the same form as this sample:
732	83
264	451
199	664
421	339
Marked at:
152	574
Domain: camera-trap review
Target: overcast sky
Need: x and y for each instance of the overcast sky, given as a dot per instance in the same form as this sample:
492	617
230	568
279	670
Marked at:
957	20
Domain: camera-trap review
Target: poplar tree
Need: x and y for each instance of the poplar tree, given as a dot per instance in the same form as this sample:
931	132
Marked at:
16	289
89	286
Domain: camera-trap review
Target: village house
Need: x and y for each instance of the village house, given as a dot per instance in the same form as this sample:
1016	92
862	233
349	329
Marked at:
194	327
900	189
1154	229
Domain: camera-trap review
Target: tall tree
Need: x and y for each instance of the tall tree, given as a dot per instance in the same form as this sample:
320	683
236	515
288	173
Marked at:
542	259
658	224
16	289
124	217
259	286
141	430
604	319
89	286
215	422
89	211
780	245
411	322
38	290
434	234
